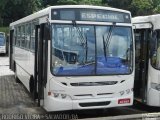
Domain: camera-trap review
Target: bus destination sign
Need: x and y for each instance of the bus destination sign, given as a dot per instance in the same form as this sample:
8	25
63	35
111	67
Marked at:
98	16
90	15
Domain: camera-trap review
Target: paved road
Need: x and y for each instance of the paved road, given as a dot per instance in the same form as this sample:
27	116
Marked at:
4	60
14	98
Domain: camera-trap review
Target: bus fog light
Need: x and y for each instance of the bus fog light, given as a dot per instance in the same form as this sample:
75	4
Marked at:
63	96
56	94
121	93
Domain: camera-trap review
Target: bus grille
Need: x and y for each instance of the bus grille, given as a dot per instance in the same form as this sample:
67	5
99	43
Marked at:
92	104
94	83
91	96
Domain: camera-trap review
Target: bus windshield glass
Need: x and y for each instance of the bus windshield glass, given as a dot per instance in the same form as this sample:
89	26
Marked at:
155	51
2	41
91	50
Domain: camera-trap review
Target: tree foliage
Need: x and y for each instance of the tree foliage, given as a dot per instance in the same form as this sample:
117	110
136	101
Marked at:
71	2
123	4
141	7
11	10
156	6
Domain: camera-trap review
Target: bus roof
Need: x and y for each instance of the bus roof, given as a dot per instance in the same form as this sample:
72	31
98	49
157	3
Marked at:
153	19
46	12
139	19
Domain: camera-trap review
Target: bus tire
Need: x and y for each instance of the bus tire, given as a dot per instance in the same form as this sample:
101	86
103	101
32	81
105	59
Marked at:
32	88
15	74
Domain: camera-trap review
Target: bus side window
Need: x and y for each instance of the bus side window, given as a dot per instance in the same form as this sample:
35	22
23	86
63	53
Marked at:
27	35
23	36
18	36
15	36
32	42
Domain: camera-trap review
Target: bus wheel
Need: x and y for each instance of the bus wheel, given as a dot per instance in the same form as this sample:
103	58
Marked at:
32	87
15	74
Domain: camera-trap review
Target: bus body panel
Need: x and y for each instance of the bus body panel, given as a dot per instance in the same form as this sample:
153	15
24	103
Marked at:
153	98
86	94
24	59
89	94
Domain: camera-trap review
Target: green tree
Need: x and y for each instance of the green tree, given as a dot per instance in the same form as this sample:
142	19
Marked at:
68	2
11	10
90	2
49	2
80	2
141	7
156	6
121	4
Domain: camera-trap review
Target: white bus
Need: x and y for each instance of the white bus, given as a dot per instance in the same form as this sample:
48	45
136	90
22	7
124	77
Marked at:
2	43
147	74
75	57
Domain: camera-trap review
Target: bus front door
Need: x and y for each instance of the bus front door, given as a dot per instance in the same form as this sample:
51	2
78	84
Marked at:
41	59
141	62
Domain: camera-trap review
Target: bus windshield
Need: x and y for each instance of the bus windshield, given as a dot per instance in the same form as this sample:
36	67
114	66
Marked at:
91	50
2	41
155	50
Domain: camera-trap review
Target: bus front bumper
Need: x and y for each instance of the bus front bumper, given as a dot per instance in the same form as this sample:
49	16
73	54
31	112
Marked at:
54	104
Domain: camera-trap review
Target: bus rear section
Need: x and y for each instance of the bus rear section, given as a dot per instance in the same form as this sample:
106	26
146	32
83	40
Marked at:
147	73
83	57
2	43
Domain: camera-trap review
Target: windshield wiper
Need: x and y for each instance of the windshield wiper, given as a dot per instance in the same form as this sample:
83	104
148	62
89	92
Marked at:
106	41
83	39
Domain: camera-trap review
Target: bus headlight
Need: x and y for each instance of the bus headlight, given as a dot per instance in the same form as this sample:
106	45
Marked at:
128	91
155	86
58	95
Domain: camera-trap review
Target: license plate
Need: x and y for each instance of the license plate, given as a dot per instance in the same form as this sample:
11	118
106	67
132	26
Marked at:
124	101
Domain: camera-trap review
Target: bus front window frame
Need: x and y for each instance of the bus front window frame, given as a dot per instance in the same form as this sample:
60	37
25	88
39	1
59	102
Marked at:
96	63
